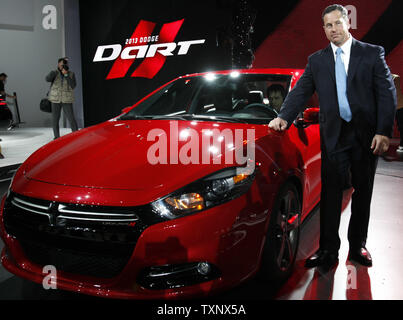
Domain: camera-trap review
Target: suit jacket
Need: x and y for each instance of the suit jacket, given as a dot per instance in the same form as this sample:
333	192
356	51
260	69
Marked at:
370	91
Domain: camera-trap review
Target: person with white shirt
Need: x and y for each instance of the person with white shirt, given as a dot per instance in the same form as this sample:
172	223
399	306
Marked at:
357	100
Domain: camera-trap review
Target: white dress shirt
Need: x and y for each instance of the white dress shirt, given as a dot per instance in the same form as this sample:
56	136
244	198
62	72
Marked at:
345	56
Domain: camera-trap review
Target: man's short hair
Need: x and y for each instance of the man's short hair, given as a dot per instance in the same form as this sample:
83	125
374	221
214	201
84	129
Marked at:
338	7
3	75
276	88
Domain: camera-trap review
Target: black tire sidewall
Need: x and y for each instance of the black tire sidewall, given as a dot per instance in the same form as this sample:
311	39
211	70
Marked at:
269	270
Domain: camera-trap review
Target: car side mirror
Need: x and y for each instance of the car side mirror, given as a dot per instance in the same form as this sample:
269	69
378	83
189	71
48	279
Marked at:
310	116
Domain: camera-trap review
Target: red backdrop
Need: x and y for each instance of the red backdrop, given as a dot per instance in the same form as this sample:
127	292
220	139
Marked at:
301	33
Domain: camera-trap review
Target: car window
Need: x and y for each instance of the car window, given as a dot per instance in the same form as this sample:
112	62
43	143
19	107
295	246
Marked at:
172	99
244	97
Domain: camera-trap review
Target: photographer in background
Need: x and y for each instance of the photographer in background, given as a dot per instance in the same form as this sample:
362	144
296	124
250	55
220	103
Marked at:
61	95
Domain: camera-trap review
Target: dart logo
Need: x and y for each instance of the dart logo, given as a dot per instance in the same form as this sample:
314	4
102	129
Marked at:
142	45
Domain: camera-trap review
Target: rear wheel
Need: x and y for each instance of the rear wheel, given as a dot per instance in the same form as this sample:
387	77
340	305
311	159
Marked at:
281	245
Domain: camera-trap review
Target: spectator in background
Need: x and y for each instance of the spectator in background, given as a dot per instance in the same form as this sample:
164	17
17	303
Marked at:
276	95
3	80
61	95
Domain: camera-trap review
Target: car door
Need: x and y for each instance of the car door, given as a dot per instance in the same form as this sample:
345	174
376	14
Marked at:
307	141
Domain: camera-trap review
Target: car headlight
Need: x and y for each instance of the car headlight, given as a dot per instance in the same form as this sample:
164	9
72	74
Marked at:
205	193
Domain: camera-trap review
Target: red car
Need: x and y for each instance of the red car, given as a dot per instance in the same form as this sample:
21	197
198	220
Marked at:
133	208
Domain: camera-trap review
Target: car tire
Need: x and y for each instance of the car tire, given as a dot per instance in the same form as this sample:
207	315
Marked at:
282	240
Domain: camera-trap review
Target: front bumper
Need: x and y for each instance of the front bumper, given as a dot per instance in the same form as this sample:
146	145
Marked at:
229	240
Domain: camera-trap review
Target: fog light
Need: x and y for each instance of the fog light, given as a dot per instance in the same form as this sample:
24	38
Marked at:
177	275
203	268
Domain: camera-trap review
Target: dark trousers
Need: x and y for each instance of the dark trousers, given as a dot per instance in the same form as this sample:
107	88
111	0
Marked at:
68	111
399	117
349	165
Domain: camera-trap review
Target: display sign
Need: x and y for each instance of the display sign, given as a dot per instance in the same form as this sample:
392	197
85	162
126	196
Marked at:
142	45
129	50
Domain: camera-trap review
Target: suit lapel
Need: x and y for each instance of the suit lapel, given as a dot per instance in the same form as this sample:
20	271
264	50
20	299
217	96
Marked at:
355	57
329	61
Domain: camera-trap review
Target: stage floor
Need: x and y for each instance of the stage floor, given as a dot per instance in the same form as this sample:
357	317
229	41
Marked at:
18	144
348	281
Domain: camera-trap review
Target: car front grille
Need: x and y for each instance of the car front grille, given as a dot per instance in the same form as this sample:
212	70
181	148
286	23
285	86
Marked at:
86	240
61	213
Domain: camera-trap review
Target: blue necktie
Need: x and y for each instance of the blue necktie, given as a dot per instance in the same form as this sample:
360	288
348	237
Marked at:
341	83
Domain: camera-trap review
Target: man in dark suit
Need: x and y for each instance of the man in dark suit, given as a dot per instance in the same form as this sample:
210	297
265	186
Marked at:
357	100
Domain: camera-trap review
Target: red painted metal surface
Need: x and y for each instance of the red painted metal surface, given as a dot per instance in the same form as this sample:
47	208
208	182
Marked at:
106	165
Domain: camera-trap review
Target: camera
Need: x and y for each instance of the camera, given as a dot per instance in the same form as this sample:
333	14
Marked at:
65	65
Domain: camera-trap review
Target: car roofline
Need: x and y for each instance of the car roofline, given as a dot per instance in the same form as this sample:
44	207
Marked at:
279	71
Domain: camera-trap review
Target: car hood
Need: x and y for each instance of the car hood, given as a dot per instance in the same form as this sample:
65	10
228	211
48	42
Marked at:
116	155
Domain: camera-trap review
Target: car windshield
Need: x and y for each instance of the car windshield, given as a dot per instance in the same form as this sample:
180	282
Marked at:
233	97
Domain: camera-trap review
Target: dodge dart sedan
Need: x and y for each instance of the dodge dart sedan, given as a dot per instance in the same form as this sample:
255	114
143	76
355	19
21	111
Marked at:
185	193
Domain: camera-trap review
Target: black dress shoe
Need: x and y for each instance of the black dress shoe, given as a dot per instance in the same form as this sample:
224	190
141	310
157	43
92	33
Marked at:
360	255
322	258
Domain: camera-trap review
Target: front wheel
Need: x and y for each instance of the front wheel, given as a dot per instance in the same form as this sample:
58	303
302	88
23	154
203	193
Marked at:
281	245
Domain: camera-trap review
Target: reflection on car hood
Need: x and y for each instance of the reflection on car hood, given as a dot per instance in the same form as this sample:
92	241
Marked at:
113	155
